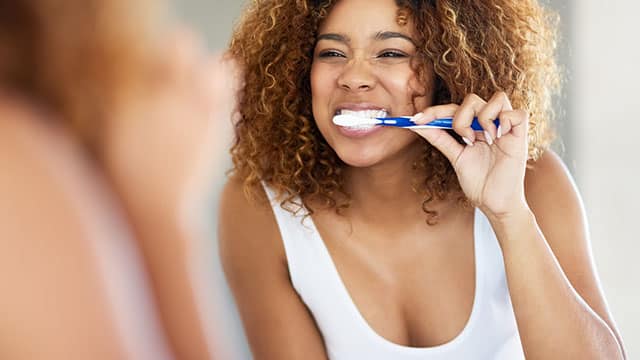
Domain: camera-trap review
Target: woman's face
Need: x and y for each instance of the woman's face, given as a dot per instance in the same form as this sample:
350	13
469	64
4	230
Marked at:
362	64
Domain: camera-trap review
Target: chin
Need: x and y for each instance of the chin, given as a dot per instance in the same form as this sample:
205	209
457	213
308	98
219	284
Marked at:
371	152
359	163
360	159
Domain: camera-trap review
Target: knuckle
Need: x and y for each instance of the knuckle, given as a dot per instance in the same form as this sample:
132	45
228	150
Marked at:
443	112
501	95
426	111
486	121
473	98
520	114
455	124
452	108
485	115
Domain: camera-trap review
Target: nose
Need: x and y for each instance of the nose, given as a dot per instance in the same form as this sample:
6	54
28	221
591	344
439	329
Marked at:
357	76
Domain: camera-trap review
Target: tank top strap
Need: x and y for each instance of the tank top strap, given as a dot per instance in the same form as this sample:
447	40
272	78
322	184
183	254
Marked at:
313	273
307	259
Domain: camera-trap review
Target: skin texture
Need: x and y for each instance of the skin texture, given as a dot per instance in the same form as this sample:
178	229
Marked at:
381	244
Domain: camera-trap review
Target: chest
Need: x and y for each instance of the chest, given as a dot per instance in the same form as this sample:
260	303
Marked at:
411	287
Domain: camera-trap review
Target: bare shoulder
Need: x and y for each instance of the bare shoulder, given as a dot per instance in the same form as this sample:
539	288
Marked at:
551	191
19	117
546	175
29	133
554	199
247	228
36	153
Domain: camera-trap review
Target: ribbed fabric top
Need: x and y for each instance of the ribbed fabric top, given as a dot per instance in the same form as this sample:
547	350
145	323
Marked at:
490	333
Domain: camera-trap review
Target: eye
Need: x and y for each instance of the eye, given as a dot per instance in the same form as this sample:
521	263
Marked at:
330	54
392	54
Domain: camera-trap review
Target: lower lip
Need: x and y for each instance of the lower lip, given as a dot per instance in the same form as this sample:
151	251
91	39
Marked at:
358	133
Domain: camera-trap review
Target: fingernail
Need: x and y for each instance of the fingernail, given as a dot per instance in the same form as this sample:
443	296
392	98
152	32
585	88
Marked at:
467	141
499	131
417	117
488	138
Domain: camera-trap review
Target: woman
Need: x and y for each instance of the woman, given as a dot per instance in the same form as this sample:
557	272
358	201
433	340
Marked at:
107	147
385	243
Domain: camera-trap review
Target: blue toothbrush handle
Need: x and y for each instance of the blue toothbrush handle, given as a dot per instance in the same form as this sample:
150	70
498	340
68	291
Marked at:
397	121
439	123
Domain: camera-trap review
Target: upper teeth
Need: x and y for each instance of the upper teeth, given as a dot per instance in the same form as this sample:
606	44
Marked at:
369	114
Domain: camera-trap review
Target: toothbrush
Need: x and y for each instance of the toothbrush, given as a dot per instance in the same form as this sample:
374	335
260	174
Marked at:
402	121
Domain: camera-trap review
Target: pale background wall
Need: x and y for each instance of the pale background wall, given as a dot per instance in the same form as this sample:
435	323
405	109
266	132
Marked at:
599	137
605	118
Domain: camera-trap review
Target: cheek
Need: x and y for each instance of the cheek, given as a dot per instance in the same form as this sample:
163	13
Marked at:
321	90
419	94
314	77
407	92
320	84
424	89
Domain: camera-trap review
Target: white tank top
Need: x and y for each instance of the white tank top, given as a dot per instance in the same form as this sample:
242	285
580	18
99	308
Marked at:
491	332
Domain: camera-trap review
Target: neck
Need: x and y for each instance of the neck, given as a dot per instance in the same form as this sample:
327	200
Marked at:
385	191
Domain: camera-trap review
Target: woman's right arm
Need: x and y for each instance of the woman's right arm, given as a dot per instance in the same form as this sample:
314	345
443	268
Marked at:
277	323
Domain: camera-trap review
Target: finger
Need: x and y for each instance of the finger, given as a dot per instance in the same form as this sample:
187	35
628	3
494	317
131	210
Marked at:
438	112
434	112
464	115
498	103
442	141
515	122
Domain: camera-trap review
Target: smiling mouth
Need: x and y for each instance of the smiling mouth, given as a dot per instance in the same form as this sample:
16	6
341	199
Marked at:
366	114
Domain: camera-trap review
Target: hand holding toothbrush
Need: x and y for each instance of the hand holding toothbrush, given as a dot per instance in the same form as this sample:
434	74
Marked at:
491	166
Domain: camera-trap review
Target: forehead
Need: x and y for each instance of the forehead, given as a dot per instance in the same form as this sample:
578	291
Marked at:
366	17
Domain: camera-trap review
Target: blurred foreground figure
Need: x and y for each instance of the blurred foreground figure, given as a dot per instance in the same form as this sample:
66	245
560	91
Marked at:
109	136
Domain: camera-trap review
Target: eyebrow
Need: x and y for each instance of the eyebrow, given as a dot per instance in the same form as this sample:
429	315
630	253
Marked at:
381	35
384	35
335	37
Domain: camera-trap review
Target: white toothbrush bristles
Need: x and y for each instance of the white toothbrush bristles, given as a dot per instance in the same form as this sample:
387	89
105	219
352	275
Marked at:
351	120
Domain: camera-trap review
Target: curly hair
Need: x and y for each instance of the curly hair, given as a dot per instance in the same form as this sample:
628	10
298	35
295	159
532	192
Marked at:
75	56
473	46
